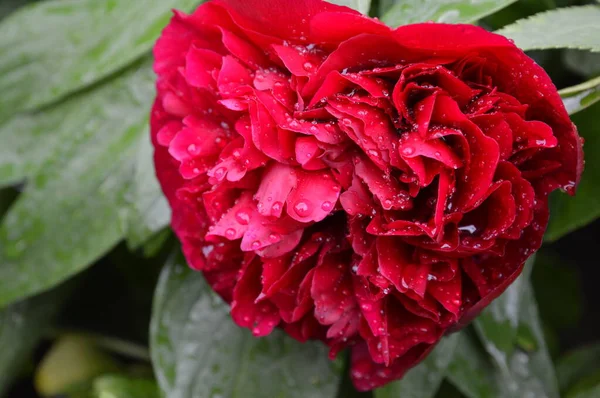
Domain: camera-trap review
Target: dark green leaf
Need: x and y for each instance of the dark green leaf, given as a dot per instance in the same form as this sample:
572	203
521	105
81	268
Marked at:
362	6
448	11
550	275
579	97
117	386
197	351
52	48
424	380
577	365
571	27
570	213
8	6
22	325
82	157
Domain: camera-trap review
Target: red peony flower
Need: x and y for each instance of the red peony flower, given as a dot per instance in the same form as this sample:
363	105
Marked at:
369	187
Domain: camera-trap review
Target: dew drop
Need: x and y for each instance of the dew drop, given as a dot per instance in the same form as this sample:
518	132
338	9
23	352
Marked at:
230	233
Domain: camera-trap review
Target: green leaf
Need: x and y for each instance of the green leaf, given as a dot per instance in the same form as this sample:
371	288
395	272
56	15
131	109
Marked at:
586	391
570	27
22	325
499	322
424	380
150	211
118	386
525	370
470	370
577	365
579	97
583	63
52	48
81	156
570	213
198	351
361	6
533	370
448	11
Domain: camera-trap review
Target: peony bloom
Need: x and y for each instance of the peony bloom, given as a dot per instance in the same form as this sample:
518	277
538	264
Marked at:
369	187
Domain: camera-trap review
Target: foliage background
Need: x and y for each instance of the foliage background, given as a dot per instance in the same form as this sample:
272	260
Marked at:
96	301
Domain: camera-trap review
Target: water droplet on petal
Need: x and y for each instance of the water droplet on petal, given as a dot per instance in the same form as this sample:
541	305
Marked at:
192	149
230	233
255	245
408	150
274	238
276	206
242	217
303	208
219	173
327	206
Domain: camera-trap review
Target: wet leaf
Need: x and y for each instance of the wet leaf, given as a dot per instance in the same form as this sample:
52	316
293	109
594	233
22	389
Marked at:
150	211
81	155
53	48
581	96
499	322
22	325
577	365
570	213
198	351
520	372
361	6
447	11
424	380
569	27
470	370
